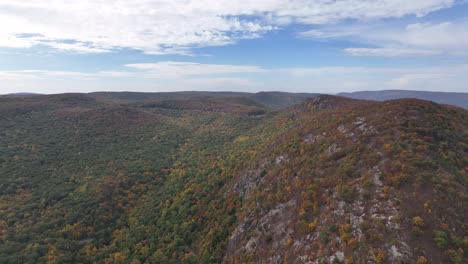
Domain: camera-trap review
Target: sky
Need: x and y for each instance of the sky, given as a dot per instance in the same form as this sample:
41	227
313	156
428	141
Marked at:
317	46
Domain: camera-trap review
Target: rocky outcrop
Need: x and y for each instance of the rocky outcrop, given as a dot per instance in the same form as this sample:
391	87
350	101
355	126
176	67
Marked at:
249	180
263	232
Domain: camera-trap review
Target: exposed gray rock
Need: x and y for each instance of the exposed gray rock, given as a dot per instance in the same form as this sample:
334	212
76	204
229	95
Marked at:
311	138
281	159
276	223
400	254
342	129
362	126
359	121
332	149
337	256
249	180
376	177
275	259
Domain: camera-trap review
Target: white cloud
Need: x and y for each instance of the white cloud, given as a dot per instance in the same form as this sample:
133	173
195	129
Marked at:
75	47
15	76
160	70
446	36
418	39
46	75
340	79
171	69
176	26
389	52
182	76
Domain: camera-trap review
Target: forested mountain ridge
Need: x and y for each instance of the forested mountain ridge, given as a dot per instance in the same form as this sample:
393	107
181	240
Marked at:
226	179
355	181
271	100
452	98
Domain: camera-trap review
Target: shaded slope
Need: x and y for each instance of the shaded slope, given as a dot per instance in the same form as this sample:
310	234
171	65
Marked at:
279	100
239	105
127	97
271	100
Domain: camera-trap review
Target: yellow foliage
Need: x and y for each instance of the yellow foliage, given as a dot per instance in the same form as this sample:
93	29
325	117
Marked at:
422	260
345	232
418	221
345	228
313	225
426	205
381	257
117	233
118	257
302	213
288	243
427	208
353	243
388	148
52	254
241	139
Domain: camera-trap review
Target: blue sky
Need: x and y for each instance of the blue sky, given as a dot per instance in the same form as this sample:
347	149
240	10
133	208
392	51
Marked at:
325	46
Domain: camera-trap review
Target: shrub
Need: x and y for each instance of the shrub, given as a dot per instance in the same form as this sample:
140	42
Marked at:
422	260
454	256
441	239
324	236
353	243
418	221
345	232
457	241
368	184
313	225
381	257
347	193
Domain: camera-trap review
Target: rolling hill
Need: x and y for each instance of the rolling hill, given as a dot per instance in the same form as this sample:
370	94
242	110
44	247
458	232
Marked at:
458	99
271	100
231	178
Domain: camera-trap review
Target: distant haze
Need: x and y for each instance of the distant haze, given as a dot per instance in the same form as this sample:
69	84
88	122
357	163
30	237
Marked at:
458	99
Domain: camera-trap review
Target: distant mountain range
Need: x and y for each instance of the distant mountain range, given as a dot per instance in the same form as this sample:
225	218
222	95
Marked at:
458	99
276	100
270	100
20	94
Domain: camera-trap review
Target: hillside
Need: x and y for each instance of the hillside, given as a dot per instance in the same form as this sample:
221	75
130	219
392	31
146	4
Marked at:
271	100
457	99
143	179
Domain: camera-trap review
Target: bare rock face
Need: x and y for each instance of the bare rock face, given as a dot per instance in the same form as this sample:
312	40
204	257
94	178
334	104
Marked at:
332	149
263	233
249	180
323	102
273	235
311	138
280	159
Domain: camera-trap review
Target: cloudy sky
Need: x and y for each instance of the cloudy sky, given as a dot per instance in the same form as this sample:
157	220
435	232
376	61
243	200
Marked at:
52	46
